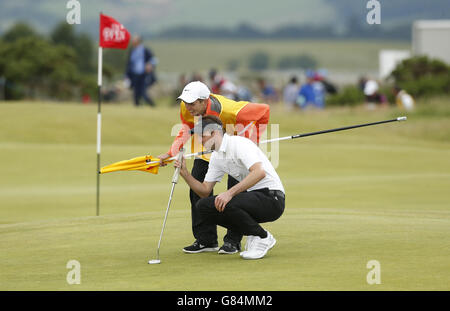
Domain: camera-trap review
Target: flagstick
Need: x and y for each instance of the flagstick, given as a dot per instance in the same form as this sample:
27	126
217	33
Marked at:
99	124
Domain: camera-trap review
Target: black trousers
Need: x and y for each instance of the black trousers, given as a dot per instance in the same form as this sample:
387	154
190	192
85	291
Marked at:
244	212
140	90
203	232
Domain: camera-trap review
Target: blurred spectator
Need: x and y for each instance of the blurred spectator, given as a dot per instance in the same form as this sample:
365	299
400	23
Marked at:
111	93
141	71
222	86
290	93
362	83
196	77
312	93
268	92
319	92
244	94
217	82
373	96
306	95
182	81
229	90
330	88
403	99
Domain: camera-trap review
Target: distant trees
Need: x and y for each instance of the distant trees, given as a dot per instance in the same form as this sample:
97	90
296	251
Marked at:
422	76
82	44
18	31
37	67
258	61
33	66
355	27
261	61
304	61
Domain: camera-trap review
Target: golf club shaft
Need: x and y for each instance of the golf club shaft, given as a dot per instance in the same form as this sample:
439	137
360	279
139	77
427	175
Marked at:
333	130
165	219
297	136
174	182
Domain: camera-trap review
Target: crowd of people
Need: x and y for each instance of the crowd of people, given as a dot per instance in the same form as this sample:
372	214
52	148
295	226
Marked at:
312	93
218	85
374	97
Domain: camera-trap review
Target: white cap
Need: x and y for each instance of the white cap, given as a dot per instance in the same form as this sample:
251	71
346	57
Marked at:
370	88
193	91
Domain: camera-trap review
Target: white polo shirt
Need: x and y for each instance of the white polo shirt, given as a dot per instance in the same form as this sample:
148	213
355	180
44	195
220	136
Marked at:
235	157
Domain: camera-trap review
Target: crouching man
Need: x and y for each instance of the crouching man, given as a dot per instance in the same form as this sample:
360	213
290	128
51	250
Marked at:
257	198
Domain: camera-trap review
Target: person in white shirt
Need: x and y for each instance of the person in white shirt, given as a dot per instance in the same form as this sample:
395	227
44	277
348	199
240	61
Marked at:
403	99
290	93
258	197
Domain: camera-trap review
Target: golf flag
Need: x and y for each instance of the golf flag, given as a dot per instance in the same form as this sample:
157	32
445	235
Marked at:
112	33
144	163
112	36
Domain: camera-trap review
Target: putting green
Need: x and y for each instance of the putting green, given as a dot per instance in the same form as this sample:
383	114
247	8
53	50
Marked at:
376	193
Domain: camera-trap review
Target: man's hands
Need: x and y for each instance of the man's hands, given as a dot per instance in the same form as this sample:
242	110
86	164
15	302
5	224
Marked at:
183	170
221	200
163	157
148	68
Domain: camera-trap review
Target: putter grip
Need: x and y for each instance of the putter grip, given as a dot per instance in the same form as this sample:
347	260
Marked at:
176	174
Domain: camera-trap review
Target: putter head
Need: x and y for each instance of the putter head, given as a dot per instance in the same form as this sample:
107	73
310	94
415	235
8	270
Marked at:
154	261
401	119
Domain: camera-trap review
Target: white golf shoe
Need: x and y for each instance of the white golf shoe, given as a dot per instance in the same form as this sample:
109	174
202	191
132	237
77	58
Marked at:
247	244
259	247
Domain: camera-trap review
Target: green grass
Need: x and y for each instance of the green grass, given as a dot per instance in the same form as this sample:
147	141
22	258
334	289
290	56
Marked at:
373	193
202	55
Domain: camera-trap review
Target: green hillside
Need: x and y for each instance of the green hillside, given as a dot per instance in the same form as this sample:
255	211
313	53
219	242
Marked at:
201	55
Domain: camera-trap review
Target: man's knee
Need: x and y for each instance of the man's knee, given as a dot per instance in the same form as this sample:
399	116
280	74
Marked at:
205	205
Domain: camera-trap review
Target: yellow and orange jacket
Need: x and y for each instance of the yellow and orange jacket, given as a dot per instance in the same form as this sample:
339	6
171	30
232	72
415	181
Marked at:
235	116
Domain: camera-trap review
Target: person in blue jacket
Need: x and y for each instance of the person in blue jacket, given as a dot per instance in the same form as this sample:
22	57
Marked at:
141	71
312	93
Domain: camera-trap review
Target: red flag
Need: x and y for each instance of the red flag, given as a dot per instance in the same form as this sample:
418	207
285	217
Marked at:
112	33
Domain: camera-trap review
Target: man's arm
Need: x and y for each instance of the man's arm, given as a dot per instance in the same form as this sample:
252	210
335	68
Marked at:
202	189
182	137
259	115
256	174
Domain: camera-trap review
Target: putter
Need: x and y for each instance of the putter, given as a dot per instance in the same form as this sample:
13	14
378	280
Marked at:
176	174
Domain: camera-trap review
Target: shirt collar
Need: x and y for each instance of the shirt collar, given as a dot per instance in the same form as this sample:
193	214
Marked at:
208	107
223	145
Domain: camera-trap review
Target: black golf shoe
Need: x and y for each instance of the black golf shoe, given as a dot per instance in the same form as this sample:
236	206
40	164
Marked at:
199	248
229	248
